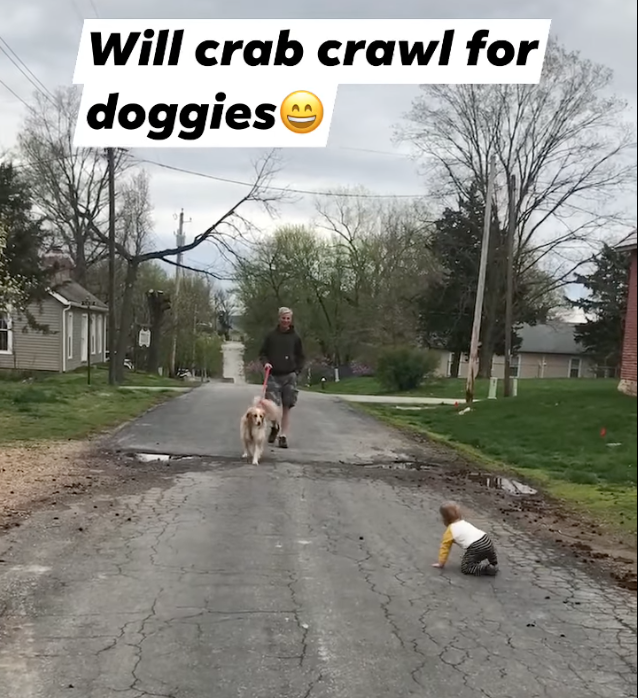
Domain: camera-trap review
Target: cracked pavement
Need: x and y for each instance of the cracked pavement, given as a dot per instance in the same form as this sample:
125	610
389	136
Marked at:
293	579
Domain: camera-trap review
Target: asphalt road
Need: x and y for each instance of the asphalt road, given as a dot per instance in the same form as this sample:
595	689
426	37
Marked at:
294	579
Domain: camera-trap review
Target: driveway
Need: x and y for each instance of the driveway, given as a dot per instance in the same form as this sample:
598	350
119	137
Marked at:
294	579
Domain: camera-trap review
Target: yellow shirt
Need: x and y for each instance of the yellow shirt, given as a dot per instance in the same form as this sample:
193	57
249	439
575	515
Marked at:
463	533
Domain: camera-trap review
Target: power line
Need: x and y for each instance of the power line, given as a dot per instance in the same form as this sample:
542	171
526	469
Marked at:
24	68
369	150
97	15
289	190
227	180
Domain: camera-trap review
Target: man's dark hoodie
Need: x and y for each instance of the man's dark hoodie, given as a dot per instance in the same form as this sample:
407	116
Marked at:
283	350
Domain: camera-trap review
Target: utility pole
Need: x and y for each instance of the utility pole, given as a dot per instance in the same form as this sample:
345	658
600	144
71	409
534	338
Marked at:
112	331
509	294
180	243
480	288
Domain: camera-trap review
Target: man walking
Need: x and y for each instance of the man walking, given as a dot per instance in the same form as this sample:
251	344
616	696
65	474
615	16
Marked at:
282	353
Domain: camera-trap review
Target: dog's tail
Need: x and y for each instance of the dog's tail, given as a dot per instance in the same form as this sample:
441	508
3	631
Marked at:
257	400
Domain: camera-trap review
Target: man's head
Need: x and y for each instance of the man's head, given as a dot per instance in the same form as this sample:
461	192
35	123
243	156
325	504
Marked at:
285	318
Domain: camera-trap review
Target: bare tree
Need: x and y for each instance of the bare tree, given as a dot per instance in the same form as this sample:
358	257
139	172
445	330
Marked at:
230	227
135	227
385	260
69	184
134	220
566	141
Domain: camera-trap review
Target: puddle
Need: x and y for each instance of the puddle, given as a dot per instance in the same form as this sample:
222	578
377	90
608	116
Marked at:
503	483
401	465
155	457
151	457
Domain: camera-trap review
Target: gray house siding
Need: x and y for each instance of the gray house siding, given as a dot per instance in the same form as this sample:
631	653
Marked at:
78	318
35	351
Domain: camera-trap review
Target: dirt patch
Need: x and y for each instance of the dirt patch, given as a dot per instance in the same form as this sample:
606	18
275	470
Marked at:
53	474
518	503
37	474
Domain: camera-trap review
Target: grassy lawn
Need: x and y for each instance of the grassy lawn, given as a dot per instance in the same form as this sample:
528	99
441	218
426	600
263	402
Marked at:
551	435
444	387
63	406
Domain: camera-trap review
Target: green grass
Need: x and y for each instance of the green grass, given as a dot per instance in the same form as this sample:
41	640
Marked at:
550	434
63	406
443	387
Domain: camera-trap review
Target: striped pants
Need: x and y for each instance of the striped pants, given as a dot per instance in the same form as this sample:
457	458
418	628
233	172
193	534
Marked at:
476	554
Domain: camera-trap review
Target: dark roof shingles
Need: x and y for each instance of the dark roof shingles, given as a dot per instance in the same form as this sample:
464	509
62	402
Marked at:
76	294
552	338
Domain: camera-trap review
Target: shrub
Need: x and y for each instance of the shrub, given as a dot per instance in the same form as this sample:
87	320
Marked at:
361	369
405	368
253	372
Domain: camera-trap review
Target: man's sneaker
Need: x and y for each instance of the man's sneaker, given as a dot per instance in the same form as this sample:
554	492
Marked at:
490	570
272	437
283	442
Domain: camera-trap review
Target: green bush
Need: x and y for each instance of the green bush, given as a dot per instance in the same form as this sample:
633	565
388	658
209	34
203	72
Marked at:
405	368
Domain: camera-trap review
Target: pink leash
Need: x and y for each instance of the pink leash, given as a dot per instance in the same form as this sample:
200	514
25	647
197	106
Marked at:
265	385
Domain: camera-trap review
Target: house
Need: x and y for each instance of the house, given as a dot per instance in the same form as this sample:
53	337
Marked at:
546	351
627	383
71	334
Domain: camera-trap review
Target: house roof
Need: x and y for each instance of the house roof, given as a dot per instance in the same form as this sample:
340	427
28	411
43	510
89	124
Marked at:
552	338
628	243
77	295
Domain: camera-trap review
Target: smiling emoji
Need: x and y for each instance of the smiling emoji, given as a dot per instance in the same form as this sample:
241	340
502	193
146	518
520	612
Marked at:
301	112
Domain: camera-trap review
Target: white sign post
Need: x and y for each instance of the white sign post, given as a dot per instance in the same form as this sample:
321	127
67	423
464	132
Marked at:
144	339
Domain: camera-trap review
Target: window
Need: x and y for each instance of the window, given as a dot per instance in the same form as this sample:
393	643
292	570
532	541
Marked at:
94	321
515	366
69	334
99	320
84	339
574	367
6	334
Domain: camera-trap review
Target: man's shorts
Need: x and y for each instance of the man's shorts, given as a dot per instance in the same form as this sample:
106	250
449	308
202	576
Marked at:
283	389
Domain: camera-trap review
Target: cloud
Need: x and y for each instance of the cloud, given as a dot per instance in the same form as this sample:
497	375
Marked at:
45	35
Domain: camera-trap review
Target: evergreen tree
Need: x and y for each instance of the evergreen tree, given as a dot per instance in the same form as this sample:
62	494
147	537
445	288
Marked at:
447	307
604	306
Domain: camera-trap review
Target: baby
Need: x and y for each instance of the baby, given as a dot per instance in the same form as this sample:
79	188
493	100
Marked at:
479	557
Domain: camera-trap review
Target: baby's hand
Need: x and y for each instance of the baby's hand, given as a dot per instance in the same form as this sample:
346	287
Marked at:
438	565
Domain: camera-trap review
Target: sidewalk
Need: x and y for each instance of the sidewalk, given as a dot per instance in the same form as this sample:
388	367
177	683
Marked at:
398	400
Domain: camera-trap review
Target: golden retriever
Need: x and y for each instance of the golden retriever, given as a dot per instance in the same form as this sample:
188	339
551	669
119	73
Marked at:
253	433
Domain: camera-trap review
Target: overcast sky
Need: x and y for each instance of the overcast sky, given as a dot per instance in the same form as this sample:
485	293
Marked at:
45	35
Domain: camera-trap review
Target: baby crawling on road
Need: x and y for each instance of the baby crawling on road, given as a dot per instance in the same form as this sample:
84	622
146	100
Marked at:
479	557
